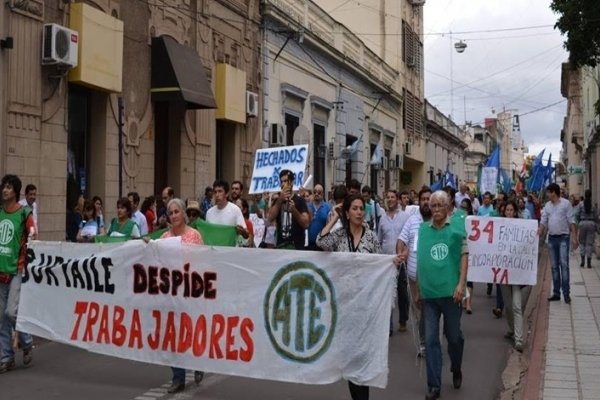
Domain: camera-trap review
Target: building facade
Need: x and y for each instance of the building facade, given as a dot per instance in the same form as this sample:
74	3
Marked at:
158	98
591	134
481	143
572	134
446	145
325	88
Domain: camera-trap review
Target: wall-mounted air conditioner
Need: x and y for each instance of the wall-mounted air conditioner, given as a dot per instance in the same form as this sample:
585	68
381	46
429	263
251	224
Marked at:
59	46
251	104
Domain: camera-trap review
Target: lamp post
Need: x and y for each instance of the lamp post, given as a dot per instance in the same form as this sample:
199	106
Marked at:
460	47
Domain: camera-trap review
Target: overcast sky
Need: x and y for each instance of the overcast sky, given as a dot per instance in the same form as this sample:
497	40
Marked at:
512	69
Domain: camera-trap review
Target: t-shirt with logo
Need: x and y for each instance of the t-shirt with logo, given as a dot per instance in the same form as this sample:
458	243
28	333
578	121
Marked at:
438	259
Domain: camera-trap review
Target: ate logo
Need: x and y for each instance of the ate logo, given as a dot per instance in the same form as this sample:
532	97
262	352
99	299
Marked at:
7	231
439	251
300	312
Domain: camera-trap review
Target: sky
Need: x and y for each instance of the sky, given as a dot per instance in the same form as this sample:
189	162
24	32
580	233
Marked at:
516	66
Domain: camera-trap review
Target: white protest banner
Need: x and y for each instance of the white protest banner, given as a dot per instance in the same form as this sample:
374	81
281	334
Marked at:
269	162
294	316
259	229
502	250
489	180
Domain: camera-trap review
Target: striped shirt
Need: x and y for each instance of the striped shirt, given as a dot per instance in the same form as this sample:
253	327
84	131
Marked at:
408	236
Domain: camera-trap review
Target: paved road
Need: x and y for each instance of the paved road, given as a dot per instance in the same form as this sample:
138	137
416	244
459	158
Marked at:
63	372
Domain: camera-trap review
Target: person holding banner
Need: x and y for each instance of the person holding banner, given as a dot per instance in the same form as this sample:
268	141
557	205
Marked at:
291	214
123	225
442	260
559	219
18	224
354	237
512	295
91	225
179	228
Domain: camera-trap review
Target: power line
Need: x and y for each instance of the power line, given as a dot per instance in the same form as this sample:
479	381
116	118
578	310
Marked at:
542	108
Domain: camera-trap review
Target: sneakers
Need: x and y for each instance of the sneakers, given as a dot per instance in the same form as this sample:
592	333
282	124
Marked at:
457	379
433	394
497	312
421	353
568	299
28	355
6	366
519	347
176	387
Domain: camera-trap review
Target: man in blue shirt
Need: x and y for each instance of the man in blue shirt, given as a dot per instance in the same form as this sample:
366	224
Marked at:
318	210
486	208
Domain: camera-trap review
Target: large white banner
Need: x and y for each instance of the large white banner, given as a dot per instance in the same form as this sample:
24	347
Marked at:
269	162
502	250
294	316
489	180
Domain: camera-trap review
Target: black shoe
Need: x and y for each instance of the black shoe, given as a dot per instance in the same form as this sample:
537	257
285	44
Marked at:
28	355
568	299
554	298
432	394
176	387
457	379
198	376
6	366
582	263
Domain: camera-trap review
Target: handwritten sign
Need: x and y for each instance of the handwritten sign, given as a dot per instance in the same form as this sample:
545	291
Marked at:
489	180
270	162
502	250
293	316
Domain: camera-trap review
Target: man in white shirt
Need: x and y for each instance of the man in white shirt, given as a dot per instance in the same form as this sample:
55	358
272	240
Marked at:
136	214
30	201
225	212
461	195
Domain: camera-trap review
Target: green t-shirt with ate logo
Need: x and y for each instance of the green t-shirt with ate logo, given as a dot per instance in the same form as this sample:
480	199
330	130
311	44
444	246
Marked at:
438	259
12	228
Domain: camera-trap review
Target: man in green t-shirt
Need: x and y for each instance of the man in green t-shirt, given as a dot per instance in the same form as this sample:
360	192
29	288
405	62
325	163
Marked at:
441	276
16	223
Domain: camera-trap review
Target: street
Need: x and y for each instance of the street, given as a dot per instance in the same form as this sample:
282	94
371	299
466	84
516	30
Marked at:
64	372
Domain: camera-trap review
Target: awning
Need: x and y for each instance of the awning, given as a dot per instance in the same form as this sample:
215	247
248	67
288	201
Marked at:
178	75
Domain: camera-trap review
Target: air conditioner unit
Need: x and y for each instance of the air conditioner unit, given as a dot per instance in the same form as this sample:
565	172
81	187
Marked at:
407	148
277	135
399	161
417	2
251	104
59	46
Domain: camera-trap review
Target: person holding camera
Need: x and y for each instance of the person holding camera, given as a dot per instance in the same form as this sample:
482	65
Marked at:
291	213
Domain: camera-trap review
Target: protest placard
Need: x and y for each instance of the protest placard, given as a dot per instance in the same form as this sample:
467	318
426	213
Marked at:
502	250
294	316
489	180
268	163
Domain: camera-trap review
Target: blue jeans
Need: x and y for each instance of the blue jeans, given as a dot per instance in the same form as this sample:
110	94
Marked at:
9	304
559	259
433	309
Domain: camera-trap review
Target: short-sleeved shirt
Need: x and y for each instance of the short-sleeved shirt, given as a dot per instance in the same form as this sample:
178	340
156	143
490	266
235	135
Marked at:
289	232
409	236
228	215
318	220
439	253
192	236
485	211
389	229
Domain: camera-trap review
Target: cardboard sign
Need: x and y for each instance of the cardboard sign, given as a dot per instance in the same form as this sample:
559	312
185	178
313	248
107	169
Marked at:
502	250
270	162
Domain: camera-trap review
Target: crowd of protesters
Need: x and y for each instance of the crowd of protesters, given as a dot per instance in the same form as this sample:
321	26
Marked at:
349	218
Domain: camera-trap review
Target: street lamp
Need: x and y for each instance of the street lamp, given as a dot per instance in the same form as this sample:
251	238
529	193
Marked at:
460	47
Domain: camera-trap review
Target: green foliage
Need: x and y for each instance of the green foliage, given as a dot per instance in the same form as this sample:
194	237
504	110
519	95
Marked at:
579	20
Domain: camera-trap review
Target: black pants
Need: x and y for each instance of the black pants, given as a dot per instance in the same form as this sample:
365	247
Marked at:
358	392
402	293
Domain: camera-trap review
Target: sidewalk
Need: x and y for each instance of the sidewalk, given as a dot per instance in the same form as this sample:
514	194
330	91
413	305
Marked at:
572	354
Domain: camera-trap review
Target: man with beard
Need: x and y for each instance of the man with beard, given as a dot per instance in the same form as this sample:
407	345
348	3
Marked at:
406	251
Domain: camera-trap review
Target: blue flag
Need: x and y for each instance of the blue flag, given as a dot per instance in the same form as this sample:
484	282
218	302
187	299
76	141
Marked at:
538	174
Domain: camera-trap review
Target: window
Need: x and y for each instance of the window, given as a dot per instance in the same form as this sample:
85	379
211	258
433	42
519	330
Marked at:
291	123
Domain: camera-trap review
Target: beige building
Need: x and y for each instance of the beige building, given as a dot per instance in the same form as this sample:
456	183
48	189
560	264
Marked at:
158	97
591	134
446	146
393	30
481	143
572	134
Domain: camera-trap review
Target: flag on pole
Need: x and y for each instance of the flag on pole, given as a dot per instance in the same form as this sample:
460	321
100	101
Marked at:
489	173
538	174
377	157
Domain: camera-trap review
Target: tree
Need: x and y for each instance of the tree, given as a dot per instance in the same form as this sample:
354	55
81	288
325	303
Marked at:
580	21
